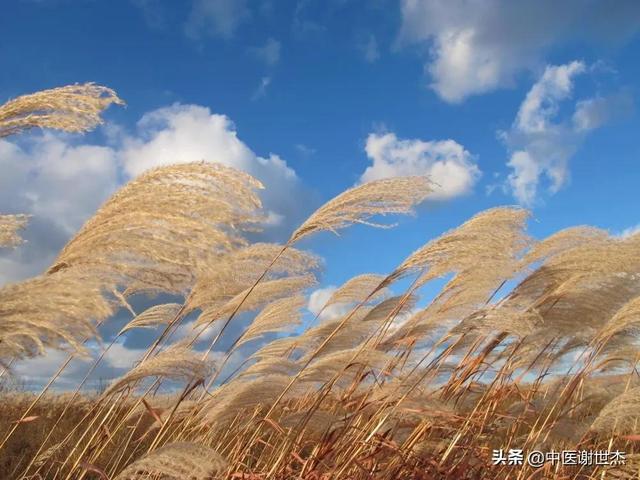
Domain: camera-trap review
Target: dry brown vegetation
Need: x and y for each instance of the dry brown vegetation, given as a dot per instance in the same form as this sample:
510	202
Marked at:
529	344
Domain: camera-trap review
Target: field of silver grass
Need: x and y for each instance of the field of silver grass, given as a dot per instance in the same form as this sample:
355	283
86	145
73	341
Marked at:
530	344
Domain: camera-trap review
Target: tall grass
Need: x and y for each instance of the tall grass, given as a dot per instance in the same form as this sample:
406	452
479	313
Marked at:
530	344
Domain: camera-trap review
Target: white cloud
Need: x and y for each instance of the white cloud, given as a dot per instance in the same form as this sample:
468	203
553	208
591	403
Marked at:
541	103
540	143
66	182
368	46
596	112
319	298
446	162
191	329
261	91
480	45
216	17
269	53
37	371
305	150
123	358
60	184
629	232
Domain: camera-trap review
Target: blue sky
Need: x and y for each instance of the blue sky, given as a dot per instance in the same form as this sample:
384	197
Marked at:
501	102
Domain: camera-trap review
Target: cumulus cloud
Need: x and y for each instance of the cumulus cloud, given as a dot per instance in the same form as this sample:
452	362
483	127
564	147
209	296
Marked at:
449	165
478	46
60	184
216	17
540	143
319	298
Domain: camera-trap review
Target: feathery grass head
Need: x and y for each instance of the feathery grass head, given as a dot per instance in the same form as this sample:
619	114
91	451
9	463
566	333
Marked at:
621	414
277	316
177	362
359	204
359	288
564	240
262	294
153	316
74	108
494	235
176	461
228	275
9	227
242	394
625	324
281	347
155	231
272	365
52	311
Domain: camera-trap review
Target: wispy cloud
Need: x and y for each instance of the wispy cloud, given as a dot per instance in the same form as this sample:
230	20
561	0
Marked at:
269	53
541	142
261	91
368	46
219	18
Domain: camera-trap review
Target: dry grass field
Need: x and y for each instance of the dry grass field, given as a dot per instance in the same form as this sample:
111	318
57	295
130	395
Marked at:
530	345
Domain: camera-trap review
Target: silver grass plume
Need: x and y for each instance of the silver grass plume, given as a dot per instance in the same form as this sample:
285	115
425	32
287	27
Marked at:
335	336
73	108
177	362
220	280
51	311
584	285
155	231
278	316
241	395
262	294
621	329
620	415
280	347
495	235
358	289
177	461
359	204
327	366
271	365
564	240
482	254
153	316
